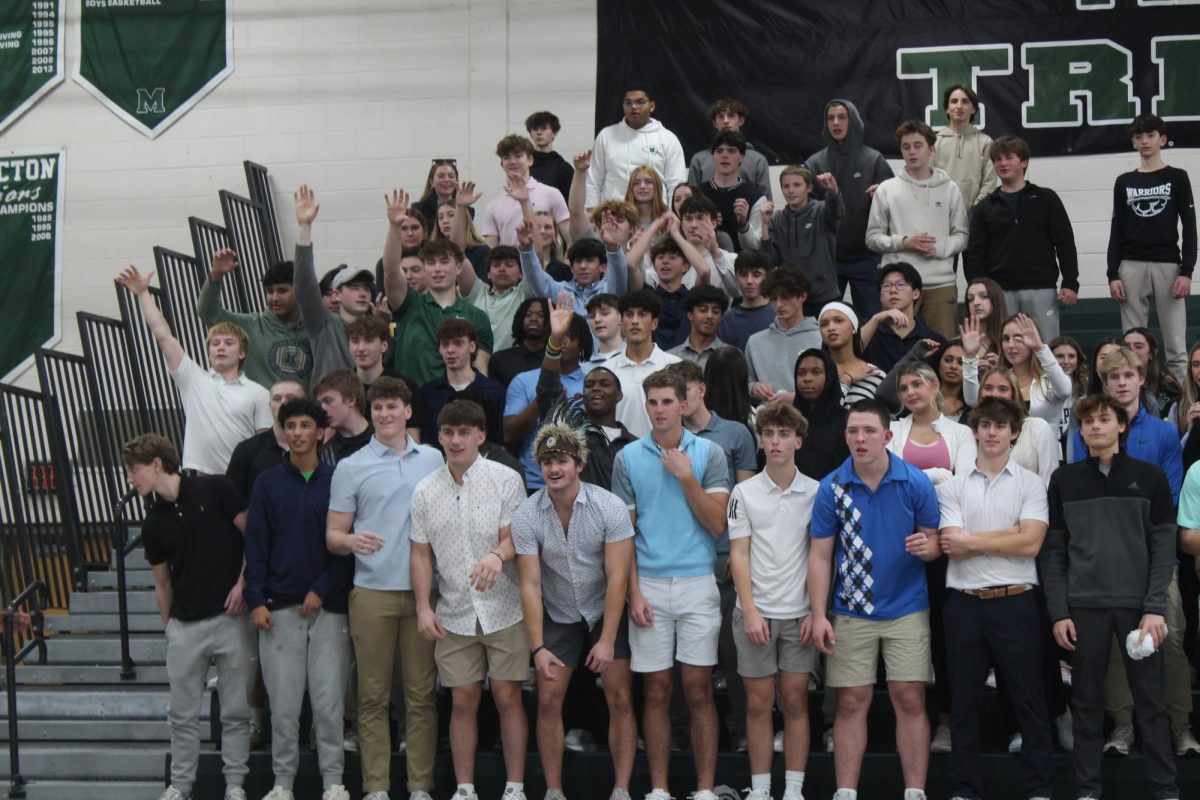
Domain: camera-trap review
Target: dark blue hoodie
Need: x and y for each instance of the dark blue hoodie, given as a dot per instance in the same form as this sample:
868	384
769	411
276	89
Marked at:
286	557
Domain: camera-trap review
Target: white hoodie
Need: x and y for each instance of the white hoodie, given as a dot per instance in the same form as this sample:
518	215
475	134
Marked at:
904	206
619	149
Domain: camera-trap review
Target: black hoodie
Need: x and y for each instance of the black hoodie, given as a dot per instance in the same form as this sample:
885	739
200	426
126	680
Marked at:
856	167
824	448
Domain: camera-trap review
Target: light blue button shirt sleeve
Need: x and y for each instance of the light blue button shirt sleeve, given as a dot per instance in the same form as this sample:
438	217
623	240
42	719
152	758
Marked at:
343	492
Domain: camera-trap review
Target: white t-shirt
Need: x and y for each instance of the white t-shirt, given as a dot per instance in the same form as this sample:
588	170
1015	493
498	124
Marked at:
218	414
776	521
973	502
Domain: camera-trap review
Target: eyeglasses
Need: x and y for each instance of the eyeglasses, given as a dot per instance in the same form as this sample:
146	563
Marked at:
641	101
897	286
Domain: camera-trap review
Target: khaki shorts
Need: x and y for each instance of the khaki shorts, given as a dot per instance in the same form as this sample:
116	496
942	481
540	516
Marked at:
502	655
904	642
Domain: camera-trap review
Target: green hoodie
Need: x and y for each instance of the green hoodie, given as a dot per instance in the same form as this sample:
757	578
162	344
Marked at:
277	350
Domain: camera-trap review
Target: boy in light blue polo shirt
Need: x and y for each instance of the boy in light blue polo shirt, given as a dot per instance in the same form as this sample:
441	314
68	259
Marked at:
876	517
369	517
676	486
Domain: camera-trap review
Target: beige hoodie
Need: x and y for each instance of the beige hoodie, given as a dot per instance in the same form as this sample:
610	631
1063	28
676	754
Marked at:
964	157
904	206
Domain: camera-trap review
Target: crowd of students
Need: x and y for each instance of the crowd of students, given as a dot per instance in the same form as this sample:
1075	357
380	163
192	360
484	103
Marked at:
674	446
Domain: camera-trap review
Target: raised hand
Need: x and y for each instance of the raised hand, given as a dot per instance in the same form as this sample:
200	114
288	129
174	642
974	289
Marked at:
610	231
516	188
525	234
135	281
741	211
827	182
582	161
467	196
1029	332
397	206
766	210
223	262
306	205
971	338
562	310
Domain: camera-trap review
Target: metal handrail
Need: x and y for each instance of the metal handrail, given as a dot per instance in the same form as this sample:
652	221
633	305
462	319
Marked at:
123	546
11	659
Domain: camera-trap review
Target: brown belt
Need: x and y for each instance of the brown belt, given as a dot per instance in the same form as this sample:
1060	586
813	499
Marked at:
992	592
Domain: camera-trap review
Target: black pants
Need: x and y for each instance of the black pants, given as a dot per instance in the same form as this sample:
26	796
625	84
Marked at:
1008	632
1094	629
1056	693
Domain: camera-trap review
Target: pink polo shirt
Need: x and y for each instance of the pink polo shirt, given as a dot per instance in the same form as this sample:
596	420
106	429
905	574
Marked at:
503	214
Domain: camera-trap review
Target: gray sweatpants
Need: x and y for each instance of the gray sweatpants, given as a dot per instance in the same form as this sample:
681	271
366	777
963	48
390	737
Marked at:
299	651
229	643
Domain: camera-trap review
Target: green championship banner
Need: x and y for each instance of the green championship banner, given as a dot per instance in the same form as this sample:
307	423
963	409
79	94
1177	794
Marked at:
31	203
31	38
150	61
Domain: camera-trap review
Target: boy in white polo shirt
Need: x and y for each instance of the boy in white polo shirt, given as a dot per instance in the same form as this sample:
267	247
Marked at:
768	538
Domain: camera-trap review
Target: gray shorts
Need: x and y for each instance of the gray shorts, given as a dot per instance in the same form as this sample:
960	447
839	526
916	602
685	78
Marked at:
783	653
567	641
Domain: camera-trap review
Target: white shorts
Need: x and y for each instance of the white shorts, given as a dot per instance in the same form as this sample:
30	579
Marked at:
687	622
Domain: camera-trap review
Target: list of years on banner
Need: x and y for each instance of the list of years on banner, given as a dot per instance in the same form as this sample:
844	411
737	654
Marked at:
17	197
43	56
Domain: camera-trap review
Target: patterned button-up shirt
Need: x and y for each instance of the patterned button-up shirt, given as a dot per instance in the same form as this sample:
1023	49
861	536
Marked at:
573	579
462	524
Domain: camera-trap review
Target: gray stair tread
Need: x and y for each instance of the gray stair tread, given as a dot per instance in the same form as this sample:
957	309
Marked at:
106	623
98	730
91	702
134	578
105	648
137	760
141	601
84	674
94	790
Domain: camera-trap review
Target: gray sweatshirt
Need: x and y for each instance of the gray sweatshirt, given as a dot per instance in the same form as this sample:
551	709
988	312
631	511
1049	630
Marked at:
772	352
326	332
807	240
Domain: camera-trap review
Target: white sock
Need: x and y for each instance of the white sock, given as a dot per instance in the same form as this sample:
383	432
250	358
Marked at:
851	794
914	794
516	787
793	781
466	789
761	783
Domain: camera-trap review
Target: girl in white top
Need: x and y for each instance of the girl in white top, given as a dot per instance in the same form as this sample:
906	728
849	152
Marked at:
1036	449
927	438
1044	387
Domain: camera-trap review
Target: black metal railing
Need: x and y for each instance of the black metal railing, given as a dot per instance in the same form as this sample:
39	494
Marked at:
13	657
122	547
243	220
181	278
259	184
207	239
36	505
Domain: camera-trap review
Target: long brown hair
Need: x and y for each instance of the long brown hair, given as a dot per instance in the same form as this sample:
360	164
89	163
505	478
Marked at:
993	324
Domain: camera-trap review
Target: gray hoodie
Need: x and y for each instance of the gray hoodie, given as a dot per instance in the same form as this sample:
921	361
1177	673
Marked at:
807	240
771	353
856	167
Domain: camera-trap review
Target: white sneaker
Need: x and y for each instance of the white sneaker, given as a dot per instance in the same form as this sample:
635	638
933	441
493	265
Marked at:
753	795
459	794
237	793
377	796
171	793
840	795
350	743
1015	744
1064	727
989	682
914	794
511	793
704	794
619	794
554	794
789	794
419	795
1185	743
1121	740
940	743
659	794
778	745
335	792
279	793
828	737
579	740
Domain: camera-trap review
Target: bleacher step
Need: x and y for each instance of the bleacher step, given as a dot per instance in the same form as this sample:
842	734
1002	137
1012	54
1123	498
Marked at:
92	730
134	579
89	674
94	790
105	648
87	760
104	623
87	703
103	602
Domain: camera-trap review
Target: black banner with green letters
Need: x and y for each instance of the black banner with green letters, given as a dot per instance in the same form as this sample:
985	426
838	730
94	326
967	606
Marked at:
31	204
150	61
31	37
1066	76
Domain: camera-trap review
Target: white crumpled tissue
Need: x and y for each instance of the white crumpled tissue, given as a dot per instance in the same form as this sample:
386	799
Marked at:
1139	649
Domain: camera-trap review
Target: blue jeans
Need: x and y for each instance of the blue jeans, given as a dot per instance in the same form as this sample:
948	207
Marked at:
863	277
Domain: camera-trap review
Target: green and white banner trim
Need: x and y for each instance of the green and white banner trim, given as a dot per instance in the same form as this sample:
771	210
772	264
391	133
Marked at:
150	61
31	213
31	54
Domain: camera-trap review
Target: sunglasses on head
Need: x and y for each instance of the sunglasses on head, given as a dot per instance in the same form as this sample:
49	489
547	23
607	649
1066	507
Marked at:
437	162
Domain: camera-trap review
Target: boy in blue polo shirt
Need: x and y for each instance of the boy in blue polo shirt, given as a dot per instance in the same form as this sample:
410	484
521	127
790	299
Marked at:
676	486
884	514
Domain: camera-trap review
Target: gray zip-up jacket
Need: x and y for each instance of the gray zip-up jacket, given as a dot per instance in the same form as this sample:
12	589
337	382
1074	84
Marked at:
807	240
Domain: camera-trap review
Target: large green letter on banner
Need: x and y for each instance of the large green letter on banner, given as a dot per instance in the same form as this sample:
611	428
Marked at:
150	61
30	54
31	192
